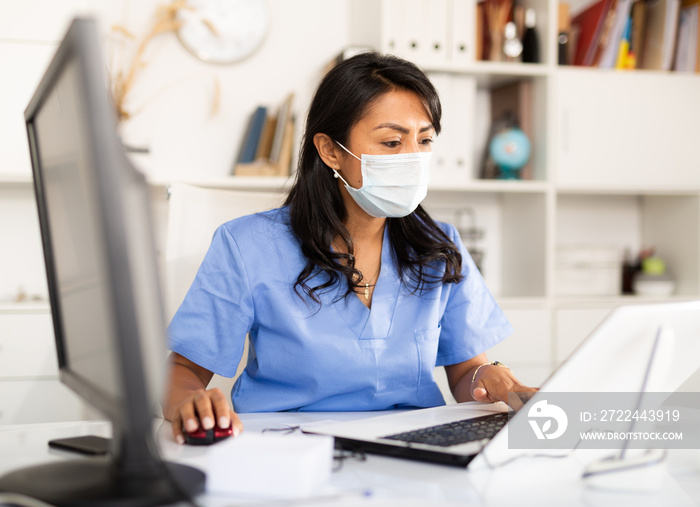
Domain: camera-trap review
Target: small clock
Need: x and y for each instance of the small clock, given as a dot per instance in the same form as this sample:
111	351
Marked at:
223	31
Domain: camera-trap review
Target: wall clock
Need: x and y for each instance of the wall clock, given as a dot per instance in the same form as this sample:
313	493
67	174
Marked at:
223	31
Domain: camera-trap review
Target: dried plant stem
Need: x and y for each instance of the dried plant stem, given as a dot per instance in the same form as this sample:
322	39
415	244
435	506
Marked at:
121	82
165	22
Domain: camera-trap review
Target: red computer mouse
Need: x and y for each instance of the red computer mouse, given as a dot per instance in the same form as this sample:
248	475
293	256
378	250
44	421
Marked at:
207	437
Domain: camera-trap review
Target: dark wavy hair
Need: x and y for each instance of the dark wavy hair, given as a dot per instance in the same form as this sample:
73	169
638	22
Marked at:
316	208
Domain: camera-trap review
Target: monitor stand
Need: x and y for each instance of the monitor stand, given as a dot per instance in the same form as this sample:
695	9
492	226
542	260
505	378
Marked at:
100	482
131	475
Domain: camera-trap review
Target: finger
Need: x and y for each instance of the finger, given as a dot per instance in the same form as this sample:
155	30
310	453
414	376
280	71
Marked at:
515	401
203	406
520	395
481	394
187	416
221	408
235	423
177	430
525	392
479	391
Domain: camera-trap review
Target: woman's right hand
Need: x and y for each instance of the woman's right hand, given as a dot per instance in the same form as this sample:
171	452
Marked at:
207	408
188	403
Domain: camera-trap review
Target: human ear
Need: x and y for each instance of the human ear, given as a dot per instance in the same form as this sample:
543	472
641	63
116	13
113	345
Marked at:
327	150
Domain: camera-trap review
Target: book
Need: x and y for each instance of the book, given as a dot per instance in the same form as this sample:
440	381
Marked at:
596	53
696	3
267	167
564	40
660	34
270	139
639	10
479	30
588	25
283	116
688	44
268	133
249	148
285	160
610	53
623	53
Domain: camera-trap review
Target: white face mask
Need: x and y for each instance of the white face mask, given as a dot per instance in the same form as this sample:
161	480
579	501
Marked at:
392	185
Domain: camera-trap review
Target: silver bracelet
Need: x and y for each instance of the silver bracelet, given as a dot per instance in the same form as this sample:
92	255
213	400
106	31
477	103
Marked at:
492	363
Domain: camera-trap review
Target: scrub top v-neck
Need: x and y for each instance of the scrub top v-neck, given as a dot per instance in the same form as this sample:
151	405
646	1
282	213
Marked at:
375	321
339	355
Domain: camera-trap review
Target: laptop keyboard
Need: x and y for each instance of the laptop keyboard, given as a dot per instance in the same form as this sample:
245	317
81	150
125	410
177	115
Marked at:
458	432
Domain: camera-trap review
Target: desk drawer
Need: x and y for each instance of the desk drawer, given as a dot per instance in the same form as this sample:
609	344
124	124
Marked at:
27	346
38	401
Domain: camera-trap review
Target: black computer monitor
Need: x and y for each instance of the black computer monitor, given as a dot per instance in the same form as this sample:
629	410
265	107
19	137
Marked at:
104	290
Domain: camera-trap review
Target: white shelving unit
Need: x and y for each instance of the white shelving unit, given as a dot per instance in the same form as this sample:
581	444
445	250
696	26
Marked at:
30	389
252	183
9	179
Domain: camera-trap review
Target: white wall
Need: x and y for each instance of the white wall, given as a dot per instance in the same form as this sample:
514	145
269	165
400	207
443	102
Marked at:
185	139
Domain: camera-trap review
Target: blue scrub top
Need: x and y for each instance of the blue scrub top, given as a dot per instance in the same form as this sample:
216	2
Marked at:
335	357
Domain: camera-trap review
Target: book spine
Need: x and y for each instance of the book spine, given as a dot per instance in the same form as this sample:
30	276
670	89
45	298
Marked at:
252	138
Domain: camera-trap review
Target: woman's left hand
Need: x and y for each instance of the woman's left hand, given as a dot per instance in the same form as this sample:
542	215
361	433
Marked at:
494	383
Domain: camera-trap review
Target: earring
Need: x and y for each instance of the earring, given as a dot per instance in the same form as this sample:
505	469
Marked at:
335	174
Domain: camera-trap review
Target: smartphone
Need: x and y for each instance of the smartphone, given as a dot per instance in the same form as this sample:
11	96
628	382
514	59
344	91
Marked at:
87	444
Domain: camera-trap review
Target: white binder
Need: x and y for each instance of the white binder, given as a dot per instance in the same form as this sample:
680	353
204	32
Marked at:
464	106
394	16
435	31
452	164
415	40
442	144
462	39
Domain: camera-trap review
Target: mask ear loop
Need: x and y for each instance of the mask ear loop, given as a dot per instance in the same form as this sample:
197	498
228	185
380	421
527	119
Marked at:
336	174
351	153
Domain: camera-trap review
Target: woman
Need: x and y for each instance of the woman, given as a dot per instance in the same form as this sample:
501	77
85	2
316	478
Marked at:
351	293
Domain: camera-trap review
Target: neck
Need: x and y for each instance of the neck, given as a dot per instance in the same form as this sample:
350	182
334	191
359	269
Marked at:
363	228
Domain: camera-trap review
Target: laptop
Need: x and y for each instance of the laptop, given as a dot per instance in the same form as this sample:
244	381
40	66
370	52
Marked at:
613	358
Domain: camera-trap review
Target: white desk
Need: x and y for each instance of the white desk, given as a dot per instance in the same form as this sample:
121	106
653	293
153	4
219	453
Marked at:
390	481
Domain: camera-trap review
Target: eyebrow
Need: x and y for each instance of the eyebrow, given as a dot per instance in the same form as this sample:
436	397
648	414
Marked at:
399	128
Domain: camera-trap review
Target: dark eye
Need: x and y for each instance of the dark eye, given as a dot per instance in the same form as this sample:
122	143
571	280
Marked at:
427	141
391	144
